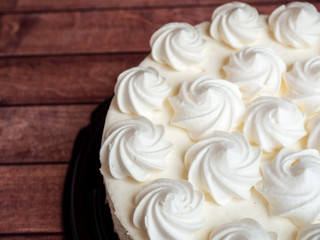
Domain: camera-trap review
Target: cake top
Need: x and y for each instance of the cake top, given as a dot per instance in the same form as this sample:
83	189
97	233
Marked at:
221	115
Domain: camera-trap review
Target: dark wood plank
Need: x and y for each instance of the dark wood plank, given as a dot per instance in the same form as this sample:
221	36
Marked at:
31	198
83	32
40	134
92	32
32	237
56	5
68	79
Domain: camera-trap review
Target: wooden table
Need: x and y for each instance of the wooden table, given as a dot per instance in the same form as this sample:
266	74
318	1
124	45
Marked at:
58	60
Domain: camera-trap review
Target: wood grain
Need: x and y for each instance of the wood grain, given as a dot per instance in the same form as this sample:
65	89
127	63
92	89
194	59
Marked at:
31	198
62	79
56	5
32	237
109	31
40	134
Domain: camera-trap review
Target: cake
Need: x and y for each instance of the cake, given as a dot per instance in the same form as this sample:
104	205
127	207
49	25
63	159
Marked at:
216	134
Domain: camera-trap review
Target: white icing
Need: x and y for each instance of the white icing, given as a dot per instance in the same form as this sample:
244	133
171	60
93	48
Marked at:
169	209
216	55
235	23
291	185
314	130
205	105
296	24
224	165
256	71
244	229
304	84
311	232
134	148
140	90
273	123
178	45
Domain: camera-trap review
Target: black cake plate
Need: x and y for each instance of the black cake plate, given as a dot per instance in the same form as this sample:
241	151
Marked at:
85	214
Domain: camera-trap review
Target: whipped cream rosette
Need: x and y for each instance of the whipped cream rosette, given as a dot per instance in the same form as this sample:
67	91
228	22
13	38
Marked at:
273	123
311	232
244	229
296	24
291	185
235	23
256	71
169	209
177	45
303	83
140	90
314	129
206	105
225	165
134	148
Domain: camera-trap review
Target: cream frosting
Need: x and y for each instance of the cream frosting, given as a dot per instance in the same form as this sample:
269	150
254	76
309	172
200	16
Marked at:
235	23
311	232
215	54
291	185
304	84
273	123
178	45
296	24
207	104
169	209
314	129
244	229
134	148
140	90
224	165
256	71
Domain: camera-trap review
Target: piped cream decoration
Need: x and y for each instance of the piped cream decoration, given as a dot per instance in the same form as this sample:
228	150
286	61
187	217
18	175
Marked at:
256	71
121	193
273	123
140	90
311	232
224	165
169	209
134	148
296	24
177	45
244	229
206	105
314	129
291	185
236	24
303	83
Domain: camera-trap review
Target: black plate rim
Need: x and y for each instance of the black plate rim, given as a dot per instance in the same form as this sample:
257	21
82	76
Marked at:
85	213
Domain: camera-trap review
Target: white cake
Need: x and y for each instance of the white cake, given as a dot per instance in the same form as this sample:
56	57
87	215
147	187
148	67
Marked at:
216	134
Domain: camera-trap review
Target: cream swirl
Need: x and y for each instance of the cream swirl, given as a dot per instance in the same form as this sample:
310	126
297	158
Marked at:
296	24
291	185
169	209
256	71
225	165
273	123
140	90
314	129
205	105
311	232
303	83
235	23
134	148
244	229
178	45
